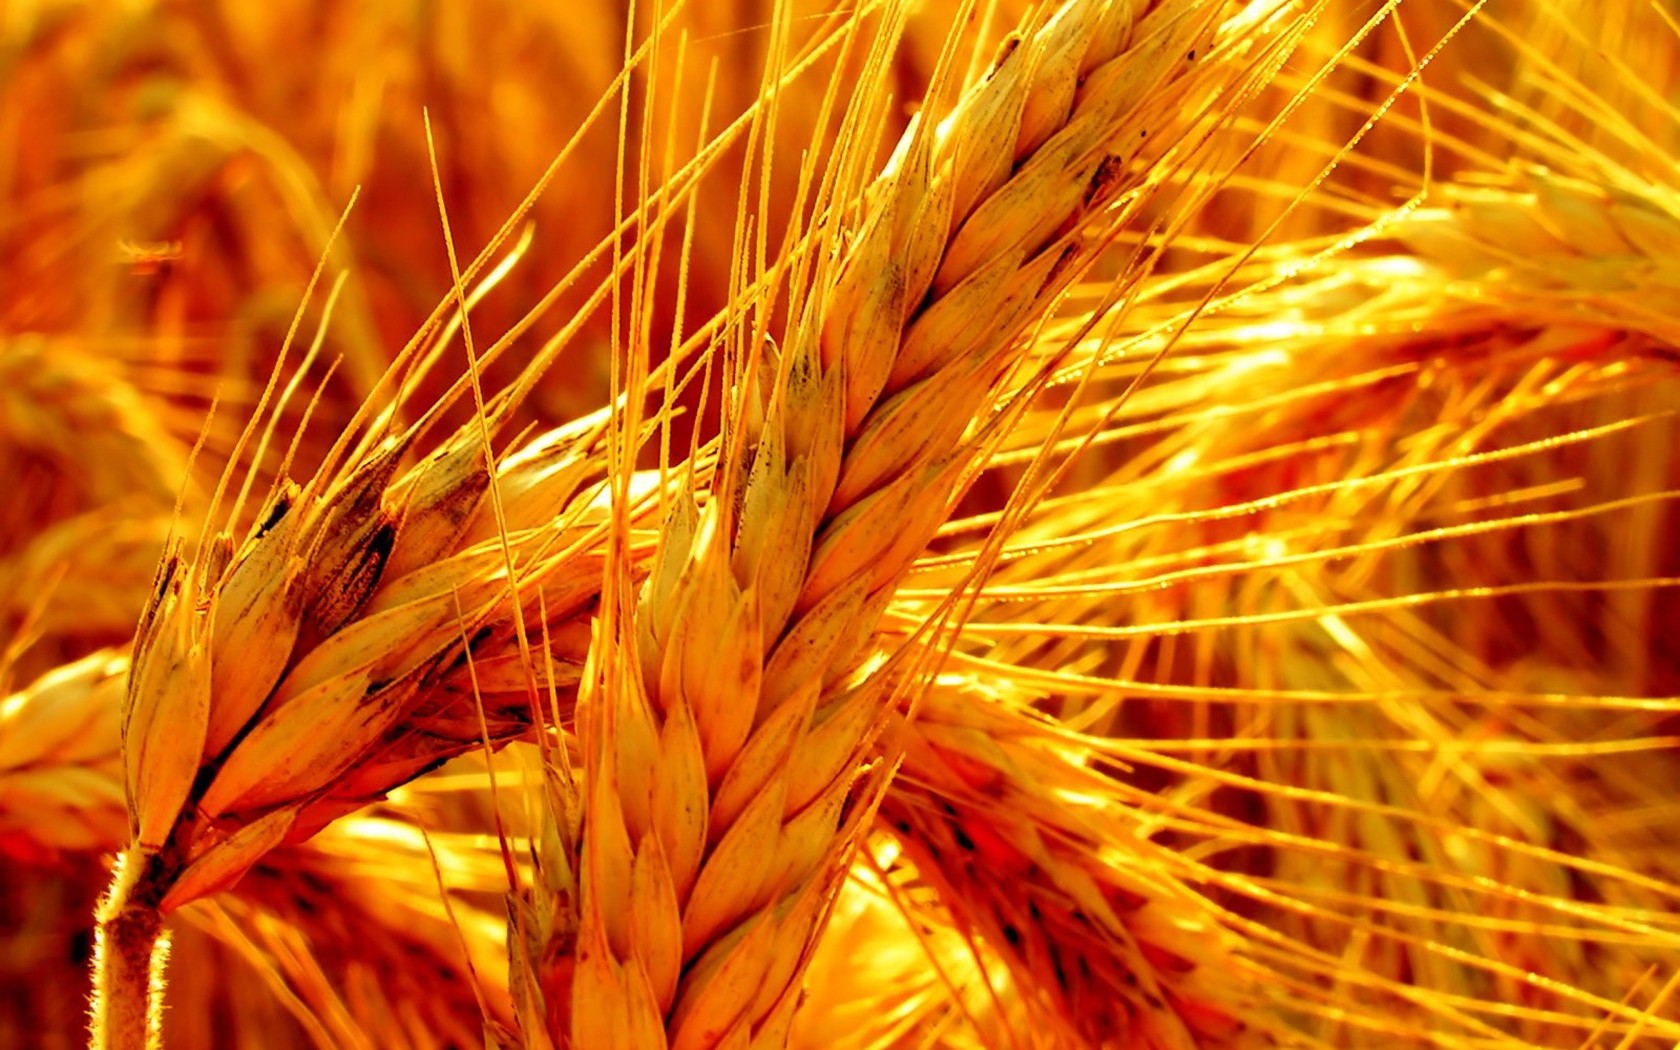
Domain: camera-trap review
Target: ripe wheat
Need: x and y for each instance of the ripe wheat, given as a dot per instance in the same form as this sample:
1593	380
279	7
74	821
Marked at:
1055	619
726	722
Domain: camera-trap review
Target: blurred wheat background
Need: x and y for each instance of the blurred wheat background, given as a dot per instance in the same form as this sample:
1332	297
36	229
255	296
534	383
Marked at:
942	523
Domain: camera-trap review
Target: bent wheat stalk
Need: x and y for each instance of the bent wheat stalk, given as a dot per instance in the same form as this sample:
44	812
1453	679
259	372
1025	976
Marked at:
85	578
726	724
75	408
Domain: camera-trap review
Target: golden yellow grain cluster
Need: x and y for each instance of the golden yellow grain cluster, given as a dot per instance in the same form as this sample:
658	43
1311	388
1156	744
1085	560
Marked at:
964	523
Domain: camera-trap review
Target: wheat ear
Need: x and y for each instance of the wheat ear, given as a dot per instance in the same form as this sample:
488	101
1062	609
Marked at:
60	764
79	412
1344	498
1604	250
324	647
1001	810
722	795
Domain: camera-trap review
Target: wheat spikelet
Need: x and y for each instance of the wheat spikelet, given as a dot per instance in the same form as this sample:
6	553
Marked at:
720	779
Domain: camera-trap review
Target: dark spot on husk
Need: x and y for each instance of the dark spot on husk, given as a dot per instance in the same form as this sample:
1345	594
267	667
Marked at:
277	513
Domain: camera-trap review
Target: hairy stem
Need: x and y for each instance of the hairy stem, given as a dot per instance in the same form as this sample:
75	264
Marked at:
128	962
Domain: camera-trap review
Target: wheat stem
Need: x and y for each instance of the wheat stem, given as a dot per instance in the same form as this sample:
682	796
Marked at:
128	964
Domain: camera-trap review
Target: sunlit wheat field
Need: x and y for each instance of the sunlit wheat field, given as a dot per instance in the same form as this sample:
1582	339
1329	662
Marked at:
888	525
